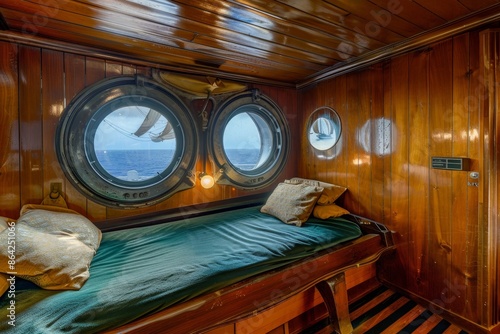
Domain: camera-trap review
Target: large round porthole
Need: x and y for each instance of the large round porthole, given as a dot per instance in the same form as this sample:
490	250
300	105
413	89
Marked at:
249	140
127	142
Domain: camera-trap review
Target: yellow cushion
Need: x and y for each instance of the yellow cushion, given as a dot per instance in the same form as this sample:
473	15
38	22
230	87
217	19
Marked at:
331	192
329	211
292	203
53	249
4	284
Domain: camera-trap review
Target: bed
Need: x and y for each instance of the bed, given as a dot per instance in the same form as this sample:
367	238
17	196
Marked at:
197	273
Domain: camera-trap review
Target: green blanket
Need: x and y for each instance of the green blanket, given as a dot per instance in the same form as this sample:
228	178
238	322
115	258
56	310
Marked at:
142	270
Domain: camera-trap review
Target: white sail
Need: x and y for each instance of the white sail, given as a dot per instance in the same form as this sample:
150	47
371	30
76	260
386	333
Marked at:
151	118
167	133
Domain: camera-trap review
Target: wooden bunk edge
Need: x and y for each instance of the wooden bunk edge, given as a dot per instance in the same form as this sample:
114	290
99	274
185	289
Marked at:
182	212
259	293
369	226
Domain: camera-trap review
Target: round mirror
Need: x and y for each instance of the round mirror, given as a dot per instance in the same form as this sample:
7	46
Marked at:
323	128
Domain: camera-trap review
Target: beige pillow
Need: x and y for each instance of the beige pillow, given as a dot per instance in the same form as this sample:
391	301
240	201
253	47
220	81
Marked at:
4	223
292	203
329	211
331	192
53	249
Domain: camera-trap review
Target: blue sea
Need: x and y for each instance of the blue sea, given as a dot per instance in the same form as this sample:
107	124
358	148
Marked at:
136	165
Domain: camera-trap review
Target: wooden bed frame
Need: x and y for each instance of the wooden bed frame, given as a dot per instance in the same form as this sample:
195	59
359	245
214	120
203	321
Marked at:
325	270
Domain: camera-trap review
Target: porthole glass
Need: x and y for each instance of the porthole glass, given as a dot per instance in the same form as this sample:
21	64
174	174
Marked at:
128	137
323	131
249	140
323	128
127	142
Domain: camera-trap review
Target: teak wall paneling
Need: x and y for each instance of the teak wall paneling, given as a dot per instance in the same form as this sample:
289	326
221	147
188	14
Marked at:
36	85
9	133
489	189
396	115
30	126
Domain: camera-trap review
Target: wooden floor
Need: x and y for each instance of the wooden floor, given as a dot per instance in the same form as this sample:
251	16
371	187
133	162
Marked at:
384	311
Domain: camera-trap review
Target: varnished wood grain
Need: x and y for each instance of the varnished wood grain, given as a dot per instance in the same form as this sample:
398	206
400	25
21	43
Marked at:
418	171
439	244
30	126
353	158
432	99
282	41
400	187
10	168
462	220
52	103
489	191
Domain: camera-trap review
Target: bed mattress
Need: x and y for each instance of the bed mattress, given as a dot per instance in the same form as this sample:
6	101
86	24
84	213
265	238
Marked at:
140	271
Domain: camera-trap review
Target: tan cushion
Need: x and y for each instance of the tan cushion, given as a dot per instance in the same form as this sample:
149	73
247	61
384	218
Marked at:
53	249
292	203
331	192
4	284
329	211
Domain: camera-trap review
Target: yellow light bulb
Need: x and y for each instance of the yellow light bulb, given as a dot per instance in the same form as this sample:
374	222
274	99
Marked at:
207	181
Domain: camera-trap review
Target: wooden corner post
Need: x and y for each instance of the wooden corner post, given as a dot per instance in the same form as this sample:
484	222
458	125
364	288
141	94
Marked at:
334	293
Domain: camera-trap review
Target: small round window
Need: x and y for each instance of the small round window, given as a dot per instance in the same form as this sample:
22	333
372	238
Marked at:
127	142
323	131
249	140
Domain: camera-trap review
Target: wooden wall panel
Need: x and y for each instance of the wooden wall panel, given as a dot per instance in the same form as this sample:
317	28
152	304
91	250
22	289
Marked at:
470	268
10	197
352	201
379	141
438	245
52	108
462	299
489	254
428	101
418	162
30	124
400	187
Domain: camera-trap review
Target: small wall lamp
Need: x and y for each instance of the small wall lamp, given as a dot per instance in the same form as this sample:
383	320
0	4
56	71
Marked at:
207	181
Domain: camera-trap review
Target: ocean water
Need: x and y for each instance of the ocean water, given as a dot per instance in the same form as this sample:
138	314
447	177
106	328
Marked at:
136	165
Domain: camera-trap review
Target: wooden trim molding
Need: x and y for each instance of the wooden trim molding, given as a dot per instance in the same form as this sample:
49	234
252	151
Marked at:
490	53
36	41
475	20
464	24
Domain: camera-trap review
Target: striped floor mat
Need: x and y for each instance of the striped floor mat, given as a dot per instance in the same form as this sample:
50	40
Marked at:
384	311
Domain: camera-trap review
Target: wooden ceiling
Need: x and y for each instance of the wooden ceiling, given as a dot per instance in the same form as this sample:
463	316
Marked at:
284	41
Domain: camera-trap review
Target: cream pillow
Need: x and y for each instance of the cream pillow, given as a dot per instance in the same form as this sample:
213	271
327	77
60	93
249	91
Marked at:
53	249
292	203
331	192
329	211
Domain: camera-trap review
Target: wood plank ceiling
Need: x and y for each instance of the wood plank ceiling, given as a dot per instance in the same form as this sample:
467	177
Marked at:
284	41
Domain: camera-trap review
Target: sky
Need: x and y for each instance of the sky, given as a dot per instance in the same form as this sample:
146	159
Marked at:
116	132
